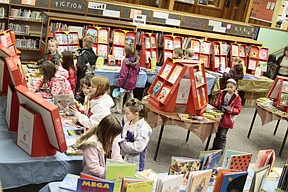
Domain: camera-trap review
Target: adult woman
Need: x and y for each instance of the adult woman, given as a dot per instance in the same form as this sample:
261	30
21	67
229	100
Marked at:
282	63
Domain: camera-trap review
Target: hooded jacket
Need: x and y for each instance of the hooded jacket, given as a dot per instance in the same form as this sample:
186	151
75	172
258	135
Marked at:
94	155
128	73
97	109
135	152
235	103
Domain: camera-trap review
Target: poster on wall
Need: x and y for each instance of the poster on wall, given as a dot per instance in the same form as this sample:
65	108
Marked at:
263	10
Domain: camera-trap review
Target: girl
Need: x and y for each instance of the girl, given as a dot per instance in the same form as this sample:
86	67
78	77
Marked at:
85	87
57	84
68	64
98	144
128	76
236	72
230	103
99	103
135	134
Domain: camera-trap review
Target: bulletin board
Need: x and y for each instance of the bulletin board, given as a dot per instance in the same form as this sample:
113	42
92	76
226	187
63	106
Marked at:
263	10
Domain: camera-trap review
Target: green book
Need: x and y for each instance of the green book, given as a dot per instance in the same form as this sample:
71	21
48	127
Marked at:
145	186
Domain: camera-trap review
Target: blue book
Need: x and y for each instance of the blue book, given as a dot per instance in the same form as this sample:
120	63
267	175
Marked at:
88	185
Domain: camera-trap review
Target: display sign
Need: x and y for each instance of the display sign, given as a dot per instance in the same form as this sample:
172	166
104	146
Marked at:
69	5
139	20
98	6
263	10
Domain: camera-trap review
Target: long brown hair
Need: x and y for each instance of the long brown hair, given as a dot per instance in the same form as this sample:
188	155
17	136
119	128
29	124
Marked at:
48	70
137	106
102	84
67	61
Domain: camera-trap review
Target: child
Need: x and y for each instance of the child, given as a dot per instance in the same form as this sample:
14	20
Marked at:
236	72
99	103
98	144
135	134
230	103
84	90
271	67
57	84
128	76
178	53
68	64
52	54
86	59
188	54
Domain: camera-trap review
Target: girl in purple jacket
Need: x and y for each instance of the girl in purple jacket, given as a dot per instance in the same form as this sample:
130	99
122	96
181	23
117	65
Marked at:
128	77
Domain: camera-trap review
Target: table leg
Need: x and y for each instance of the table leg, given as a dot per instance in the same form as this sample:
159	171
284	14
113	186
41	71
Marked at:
283	143
252	123
208	141
276	127
158	143
187	137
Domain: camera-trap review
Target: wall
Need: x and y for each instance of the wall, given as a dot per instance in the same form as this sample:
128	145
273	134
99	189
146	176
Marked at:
273	39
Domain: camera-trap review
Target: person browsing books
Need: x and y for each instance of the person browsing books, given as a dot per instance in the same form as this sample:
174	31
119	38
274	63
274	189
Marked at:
128	77
135	134
86	59
177	53
188	54
99	143
55	81
52	54
230	103
99	103
68	64
236	72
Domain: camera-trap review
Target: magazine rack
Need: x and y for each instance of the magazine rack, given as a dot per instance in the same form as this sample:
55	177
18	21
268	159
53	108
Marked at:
238	50
32	137
68	41
180	84
101	39
205	53
279	92
170	43
149	50
257	55
7	40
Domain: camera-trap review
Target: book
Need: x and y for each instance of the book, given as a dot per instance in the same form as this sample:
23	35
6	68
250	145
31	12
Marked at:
150	175
195	45
88	185
175	73
87	176
163	93
63	102
235	50
119	38
103	36
171	183
92	32
118	53
262	65
229	153
127	180
72	150
144	186
148	56
199	181
265	157
210	159
147	42
240	162
111	60
168	44
156	88
205	48
224	49
199	78
234	181
284	94
177	44
102	50
165	72
283	181
216	50
252	64
183	165
183	91
69	182
242	51
116	171
167	54
257	180
75	131
216	62
263	54
100	61
153	42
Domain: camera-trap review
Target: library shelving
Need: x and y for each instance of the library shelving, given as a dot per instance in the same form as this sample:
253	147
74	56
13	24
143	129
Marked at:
68	41
256	55
238	50
149	50
170	43
279	93
205	53
180	83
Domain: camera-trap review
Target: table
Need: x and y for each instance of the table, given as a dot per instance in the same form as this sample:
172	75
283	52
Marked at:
203	130
17	168
268	113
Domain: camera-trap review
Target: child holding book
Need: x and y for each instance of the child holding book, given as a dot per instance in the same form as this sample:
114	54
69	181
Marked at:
230	103
135	134
128	76
177	53
236	72
68	64
52	54
99	143
86	59
188	54
99	103
56	83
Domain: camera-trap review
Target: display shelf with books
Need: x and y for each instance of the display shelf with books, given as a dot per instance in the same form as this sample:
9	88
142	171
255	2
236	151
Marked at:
180	84
101	44
196	46
149	50
6	39
279	92
219	55
205	53
68	41
170	43
258	56
238	50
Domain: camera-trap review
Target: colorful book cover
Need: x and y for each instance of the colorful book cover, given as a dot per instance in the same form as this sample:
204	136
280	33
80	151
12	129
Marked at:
75	131
102	36
147	42
72	150
195	45
216	50
119	38
144	186
169	183
92	32
153	42
63	102
224	49
228	155
252	64
100	61
148	56
183	91
166	71
150	175
102	50
254	52
216	62
205	48
175	73
235	50
156	88
242	51
118	53
204	95
265	157
258	178
233	181
167	54
262	65
183	165
88	185
73	38
126	180
69	182
263	54
199	181
199	79
240	162
164	93
177	44
168	44
210	159
204	59
284	94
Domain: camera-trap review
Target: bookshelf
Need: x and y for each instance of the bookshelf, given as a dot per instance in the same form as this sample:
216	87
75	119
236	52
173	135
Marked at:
170	42
238	50
68	41
256	55
180	84
149	50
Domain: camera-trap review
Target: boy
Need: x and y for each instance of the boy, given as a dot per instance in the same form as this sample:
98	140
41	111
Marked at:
178	53
85	60
188	54
52	54
236	72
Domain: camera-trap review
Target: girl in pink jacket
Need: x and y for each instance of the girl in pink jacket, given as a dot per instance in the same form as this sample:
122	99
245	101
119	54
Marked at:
98	144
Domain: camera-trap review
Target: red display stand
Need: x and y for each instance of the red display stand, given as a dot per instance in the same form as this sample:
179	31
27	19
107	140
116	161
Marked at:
279	92
180	84
68	41
149	50
257	55
238	50
169	44
7	40
205	53
32	136
12	109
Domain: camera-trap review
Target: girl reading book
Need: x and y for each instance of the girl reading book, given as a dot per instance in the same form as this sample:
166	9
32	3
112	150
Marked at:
98	144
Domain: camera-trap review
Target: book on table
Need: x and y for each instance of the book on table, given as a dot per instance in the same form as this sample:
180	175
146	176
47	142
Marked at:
199	180
169	183
210	159
237	160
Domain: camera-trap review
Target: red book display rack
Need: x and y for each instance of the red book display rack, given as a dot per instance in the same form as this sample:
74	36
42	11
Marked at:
149	50
180	83
238	50
101	39
169	44
68	41
257	55
205	53
279	92
6	40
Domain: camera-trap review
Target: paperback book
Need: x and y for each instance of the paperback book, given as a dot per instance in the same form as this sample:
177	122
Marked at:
156	88
238	156
119	38
69	182
210	159
199	181
64	102
169	183
166	71
103	36
235	51
258	178
199	79
143	186
265	157
175	74
164	93
169	44
88	185
147	42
